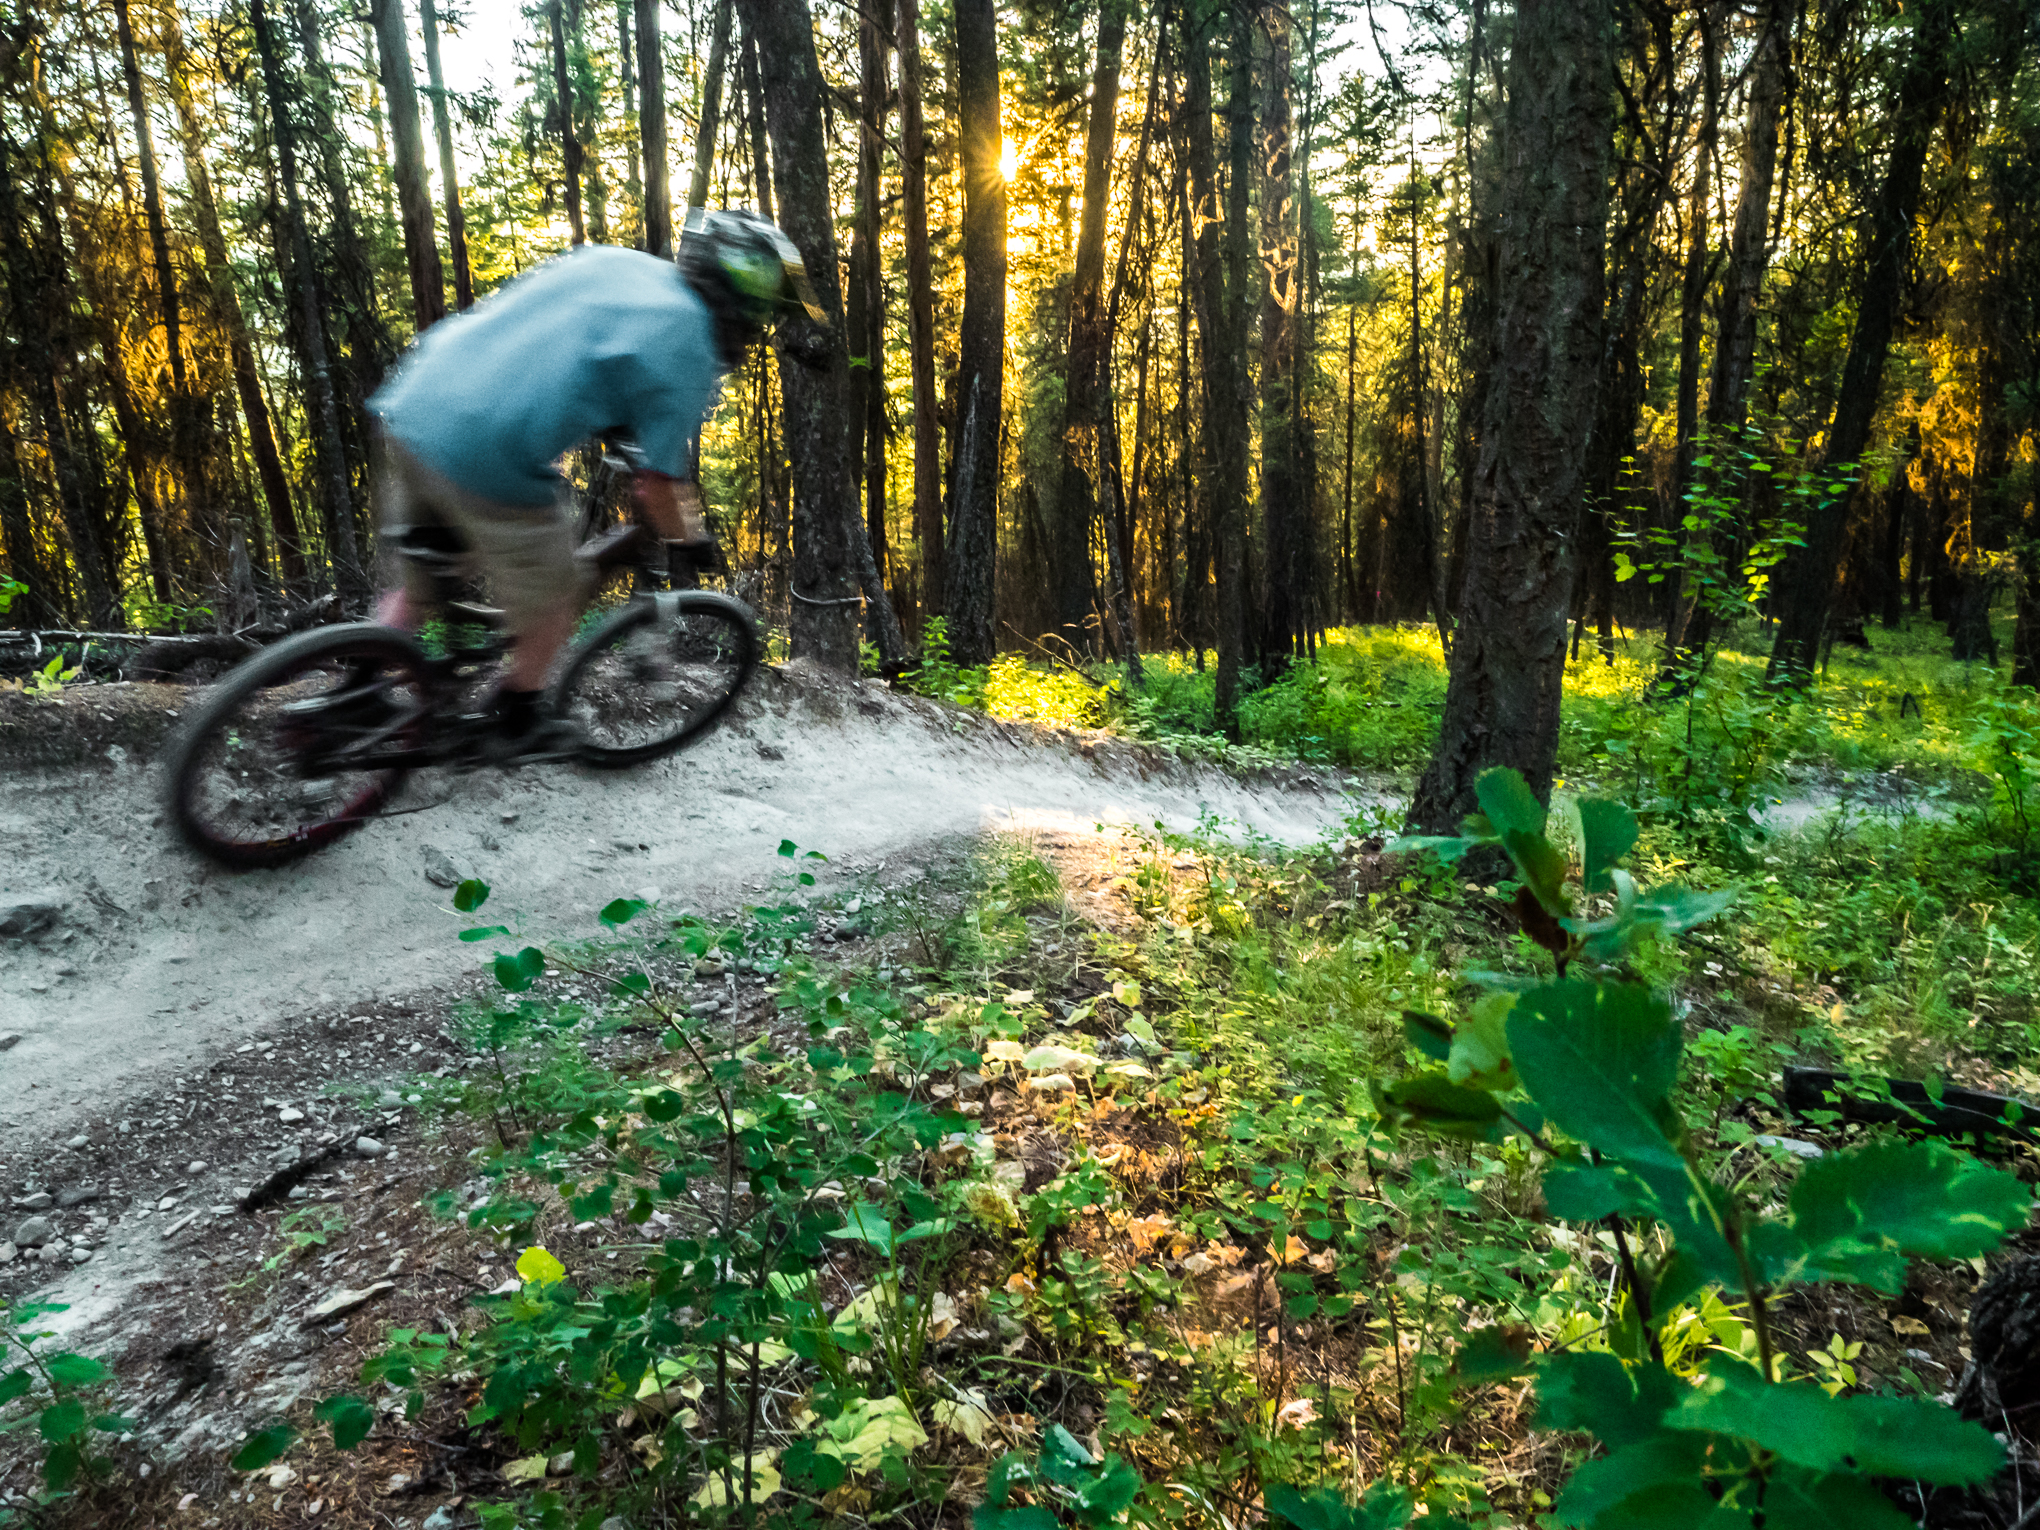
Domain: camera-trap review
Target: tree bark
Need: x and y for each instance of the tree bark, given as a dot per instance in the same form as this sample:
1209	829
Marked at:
1071	578
227	306
1285	510
1508	663
1806	579
761	171
336	502
711	105
442	129
866	299
974	513
414	187
651	58
827	571
1735	348
920	313
563	102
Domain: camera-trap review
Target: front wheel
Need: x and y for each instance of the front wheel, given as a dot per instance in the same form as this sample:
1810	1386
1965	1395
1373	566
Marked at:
302	743
656	675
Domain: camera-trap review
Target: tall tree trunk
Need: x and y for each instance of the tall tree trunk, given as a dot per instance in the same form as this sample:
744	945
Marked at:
634	183
652	129
1508	663
828	569
414	187
1735	348
865	307
570	143
588	125
226	302
761	172
1285	512
1806	579
1071	580
1218	294
449	175
974	512
920	313
711	105
336	502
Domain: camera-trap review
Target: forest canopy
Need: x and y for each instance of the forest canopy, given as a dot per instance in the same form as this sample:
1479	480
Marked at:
1201	327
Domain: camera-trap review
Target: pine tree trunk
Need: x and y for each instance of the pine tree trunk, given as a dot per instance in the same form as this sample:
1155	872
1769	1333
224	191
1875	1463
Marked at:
563	103
651	57
828	570
974	511
754	95
449	175
1285	514
1735	349
711	105
1075	510
1508	662
1806	579
414	187
634	183
865	314
336	502
920	313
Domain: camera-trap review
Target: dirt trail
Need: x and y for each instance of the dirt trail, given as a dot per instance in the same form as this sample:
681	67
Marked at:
145	961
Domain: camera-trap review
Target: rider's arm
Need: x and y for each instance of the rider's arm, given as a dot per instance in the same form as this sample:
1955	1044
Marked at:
670	506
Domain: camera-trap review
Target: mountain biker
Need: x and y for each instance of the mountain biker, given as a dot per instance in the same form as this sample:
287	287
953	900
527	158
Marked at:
600	340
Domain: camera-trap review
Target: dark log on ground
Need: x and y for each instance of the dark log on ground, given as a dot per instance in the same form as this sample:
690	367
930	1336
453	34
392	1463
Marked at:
2000	1389
1955	1113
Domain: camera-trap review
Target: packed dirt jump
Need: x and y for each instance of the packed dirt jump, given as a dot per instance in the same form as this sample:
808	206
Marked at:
123	956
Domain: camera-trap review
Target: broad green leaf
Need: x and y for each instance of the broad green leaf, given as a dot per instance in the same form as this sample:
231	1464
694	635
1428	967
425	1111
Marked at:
1428	1034
1877	1436
537	1267
470	895
1607	833
1432	1101
1063	1455
1108	1493
484	932
1593	1391
620	911
1447	847
1384	1506
861	1435
15	1384
62	1420
865	1223
263	1447
1508	803
1479	1055
1803	1500
518	972
1600	1059
114	1423
350	1417
1542	867
1679	909
662	1105
1661	1463
1576	1191
1495	1353
787	848
76	1370
62	1466
1864	1212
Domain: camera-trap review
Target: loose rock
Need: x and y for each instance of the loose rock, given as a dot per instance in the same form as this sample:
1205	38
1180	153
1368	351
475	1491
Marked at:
28	914
42	1200
8	1253
368	1147
35	1232
81	1140
439	868
340	1303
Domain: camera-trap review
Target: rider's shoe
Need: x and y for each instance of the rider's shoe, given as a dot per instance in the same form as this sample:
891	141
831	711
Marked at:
549	738
361	703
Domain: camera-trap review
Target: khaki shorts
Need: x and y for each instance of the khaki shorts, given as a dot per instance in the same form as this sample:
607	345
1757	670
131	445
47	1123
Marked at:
525	552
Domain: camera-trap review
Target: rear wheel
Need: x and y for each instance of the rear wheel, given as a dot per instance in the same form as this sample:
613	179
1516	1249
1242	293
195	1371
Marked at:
657	674
304	742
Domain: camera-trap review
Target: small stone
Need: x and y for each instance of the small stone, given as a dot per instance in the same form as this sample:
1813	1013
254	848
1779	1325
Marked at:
281	1477
8	1253
35	1232
196	1166
23	915
439	1519
389	1099
184	1504
368	1147
166	1203
560	1465
288	1114
42	1200
81	1140
397	1484
416	1047
9	1042
81	1256
414	1099
51	1253
439	868
77	1195
343	1301
1792	1145
246	1046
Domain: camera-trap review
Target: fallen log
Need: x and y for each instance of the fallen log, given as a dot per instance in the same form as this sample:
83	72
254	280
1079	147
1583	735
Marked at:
1948	1112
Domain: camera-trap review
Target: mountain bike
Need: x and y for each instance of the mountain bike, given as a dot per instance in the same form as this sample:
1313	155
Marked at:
312	738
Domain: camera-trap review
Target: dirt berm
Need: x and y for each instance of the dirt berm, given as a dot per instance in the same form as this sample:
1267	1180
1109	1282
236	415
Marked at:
123	956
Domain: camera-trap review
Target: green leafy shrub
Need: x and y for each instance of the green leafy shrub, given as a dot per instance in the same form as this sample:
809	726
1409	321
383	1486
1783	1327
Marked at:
53	1392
